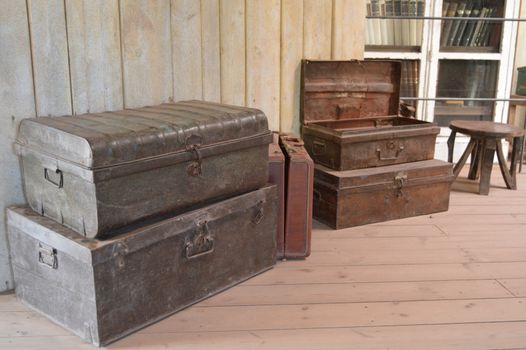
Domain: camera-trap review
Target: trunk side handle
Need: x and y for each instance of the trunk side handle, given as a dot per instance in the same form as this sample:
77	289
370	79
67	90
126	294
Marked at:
58	183
202	244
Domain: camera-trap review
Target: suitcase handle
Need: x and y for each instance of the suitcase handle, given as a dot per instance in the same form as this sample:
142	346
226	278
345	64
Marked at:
58	183
390	145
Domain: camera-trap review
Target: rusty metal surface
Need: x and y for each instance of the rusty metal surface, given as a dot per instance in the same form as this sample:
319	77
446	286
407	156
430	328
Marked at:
298	204
358	197
104	290
349	114
96	173
276	172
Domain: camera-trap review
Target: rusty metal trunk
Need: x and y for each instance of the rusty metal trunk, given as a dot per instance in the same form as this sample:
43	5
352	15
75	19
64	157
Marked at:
358	197
104	290
349	113
97	172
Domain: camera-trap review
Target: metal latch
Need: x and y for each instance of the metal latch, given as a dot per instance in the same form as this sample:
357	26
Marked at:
47	256
400	181
193	142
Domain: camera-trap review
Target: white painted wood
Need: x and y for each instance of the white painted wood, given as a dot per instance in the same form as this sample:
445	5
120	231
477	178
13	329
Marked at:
291	55
186	50
348	28
505	74
233	60
16	102
210	50
317	29
396	55
146	52
50	57
94	55
469	56
263	58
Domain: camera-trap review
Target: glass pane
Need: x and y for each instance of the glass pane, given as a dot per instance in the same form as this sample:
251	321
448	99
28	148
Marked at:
394	34
471	35
409	82
465	79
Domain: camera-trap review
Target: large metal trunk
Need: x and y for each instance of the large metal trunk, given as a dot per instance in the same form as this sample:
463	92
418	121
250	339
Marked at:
97	172
358	197
298	204
104	290
349	112
276	175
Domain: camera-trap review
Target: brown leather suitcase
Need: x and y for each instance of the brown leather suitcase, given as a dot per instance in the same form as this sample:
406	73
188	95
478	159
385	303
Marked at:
276	175
358	197
298	203
349	111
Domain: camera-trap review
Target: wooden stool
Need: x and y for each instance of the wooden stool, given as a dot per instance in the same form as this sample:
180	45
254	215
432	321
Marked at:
485	140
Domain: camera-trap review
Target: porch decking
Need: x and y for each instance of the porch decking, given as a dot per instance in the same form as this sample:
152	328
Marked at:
454	280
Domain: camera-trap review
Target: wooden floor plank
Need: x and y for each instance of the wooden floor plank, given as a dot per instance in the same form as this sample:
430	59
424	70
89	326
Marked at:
357	292
473	336
516	286
238	318
385	230
284	274
486	240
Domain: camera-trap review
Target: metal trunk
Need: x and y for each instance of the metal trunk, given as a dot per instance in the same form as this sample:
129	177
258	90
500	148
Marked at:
98	172
349	112
358	197
104	290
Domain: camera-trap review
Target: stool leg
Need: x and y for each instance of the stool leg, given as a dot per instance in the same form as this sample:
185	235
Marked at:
508	178
521	152
462	160
451	146
475	162
488	153
516	156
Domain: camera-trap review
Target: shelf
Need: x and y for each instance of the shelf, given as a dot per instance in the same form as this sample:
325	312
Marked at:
453	110
469	56
453	66
394	55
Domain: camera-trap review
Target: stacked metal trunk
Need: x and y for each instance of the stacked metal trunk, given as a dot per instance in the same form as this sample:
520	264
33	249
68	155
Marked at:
131	213
371	164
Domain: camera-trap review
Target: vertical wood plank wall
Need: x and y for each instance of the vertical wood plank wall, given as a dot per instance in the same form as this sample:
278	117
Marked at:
78	56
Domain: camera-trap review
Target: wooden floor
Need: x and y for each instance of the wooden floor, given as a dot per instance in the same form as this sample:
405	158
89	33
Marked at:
454	280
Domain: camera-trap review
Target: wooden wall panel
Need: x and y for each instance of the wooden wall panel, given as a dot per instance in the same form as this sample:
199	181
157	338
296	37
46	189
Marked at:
146	52
232	23
211	50
291	55
317	19
347	39
16	102
263	58
50	57
94	55
97	55
186	50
